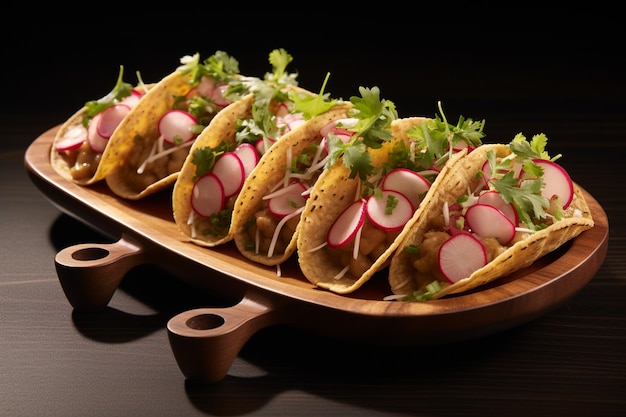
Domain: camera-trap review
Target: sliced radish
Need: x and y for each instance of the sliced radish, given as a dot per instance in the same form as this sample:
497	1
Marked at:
72	139
488	221
339	126
249	157
230	170
460	256
459	146
97	143
218	95
207	196
133	98
287	200
557	182
111	118
176	126
206	86
376	210
282	110
347	225
407	182
288	121
262	145
494	198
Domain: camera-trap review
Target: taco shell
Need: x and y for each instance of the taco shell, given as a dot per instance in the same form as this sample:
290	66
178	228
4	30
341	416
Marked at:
222	128
460	176
134	138
269	172
87	168
332	193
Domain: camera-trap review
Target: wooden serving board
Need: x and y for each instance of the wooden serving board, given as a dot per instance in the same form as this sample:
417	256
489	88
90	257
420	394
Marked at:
206	341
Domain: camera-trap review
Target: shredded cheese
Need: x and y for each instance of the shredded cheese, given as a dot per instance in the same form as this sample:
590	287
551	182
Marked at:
154	154
279	226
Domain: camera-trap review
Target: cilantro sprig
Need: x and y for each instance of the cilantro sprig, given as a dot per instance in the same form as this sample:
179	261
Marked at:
373	127
120	90
437	138
313	105
524	194
204	158
220	66
268	92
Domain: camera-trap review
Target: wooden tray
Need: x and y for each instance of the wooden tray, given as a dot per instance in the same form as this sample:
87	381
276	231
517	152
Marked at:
206	341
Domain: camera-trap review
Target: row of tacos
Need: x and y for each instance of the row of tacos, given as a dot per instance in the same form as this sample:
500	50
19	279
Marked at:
346	186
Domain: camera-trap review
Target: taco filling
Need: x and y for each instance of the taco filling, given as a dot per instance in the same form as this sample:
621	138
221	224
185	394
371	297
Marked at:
484	226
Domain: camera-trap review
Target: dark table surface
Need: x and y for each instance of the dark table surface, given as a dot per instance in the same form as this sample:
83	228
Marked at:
571	361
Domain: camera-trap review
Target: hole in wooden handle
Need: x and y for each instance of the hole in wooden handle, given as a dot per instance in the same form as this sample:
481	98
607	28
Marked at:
205	322
90	254
90	273
206	341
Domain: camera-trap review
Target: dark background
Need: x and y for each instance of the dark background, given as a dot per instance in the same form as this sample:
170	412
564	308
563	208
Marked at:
521	67
481	60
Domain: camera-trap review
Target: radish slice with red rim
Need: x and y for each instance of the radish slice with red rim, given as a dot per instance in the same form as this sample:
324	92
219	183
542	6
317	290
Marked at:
230	170
393	219
72	139
249	157
97	143
207	196
133	98
407	182
346	225
556	182
263	144
282	110
293	120
494	198
339	126
287	200
206	86
488	221
218	95
460	256
176	126
111	118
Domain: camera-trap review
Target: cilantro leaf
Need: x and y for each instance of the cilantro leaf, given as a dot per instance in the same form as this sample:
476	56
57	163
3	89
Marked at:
374	117
311	106
525	195
279	59
204	158
119	91
437	138
373	127
533	149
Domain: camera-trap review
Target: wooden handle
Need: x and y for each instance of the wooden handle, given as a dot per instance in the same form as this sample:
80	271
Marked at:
206	341
91	272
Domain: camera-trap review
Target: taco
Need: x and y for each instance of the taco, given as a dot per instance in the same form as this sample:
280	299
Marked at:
268	208
150	145
225	154
496	211
79	150
352	224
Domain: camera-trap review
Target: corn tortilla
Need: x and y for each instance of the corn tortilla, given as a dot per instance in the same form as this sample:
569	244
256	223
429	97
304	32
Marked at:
332	193
271	171
461	175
